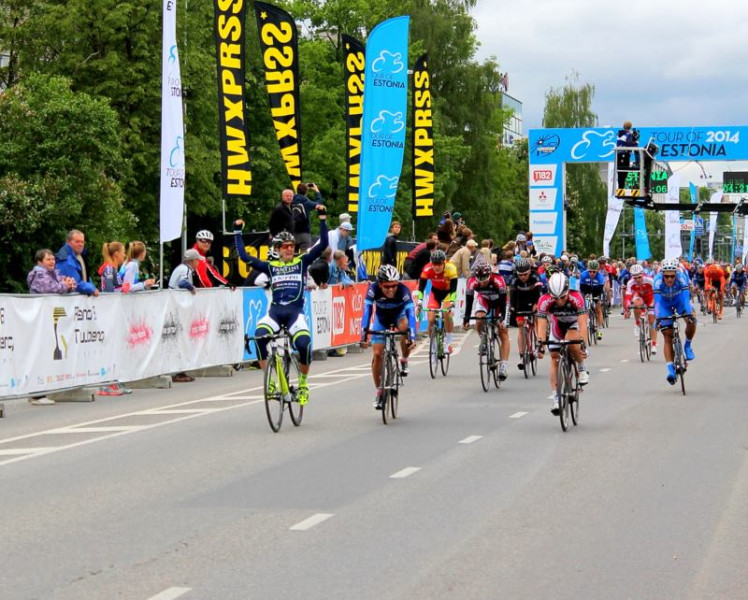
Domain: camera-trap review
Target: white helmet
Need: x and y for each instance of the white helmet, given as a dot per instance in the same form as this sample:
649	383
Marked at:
558	285
670	264
204	234
636	270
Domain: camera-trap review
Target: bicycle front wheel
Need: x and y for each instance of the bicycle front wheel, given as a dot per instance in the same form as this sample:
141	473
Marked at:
648	338
562	391
394	385
574	398
443	356
642	343
495	354
533	352
680	364
433	352
485	359
273	394
295	410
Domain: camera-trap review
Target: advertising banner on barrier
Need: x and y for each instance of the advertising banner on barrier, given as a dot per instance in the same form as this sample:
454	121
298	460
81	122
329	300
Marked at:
318	310
347	310
354	63
255	303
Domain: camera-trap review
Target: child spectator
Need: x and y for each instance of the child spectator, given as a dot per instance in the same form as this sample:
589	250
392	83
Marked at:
114	256
45	279
181	278
130	271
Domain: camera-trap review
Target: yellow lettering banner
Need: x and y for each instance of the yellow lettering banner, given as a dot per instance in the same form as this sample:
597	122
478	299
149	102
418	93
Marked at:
423	141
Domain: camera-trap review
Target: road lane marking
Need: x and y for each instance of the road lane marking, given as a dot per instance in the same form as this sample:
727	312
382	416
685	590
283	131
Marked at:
307	524
23	451
470	439
406	472
518	415
179	411
605	370
625	360
551	397
74	429
171	593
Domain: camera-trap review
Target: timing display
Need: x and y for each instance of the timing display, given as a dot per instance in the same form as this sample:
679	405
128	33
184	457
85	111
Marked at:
735	182
657	181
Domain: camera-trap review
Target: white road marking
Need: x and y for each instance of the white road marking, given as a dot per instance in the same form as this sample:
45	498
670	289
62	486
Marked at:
179	411
171	593
551	397
518	415
74	429
625	360
406	472
470	439
311	522
23	451
605	370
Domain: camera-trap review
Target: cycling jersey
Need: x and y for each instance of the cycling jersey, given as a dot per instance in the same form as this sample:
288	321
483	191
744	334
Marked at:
525	294
668	298
389	311
443	285
490	297
715	276
564	317
643	289
738	279
699	279
592	285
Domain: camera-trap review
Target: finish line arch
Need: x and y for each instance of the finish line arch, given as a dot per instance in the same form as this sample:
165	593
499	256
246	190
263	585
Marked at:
550	150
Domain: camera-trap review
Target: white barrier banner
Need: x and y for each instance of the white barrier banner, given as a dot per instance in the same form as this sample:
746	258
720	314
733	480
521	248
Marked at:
673	248
50	343
615	206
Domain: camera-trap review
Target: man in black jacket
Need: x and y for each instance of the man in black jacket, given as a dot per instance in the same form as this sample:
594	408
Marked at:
389	250
281	219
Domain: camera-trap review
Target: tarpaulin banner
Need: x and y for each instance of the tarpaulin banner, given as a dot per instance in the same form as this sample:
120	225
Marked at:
236	176
615	206
640	231
383	135
423	141
172	131
673	247
715	198
280	58
354	63
347	311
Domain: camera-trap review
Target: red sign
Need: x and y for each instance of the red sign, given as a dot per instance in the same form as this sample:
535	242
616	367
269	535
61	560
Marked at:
347	310
542	175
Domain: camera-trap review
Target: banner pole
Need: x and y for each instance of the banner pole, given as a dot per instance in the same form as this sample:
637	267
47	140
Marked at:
161	264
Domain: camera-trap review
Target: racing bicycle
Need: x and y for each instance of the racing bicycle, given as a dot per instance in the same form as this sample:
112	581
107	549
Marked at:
567	383
438	355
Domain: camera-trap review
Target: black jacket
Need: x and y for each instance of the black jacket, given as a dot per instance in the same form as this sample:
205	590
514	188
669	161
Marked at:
281	219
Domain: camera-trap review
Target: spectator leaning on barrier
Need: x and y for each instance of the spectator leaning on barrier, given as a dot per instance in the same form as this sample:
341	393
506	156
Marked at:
282	217
130	271
45	279
302	207
114	257
389	250
463	258
70	262
419	257
319	270
181	277
338	269
207	274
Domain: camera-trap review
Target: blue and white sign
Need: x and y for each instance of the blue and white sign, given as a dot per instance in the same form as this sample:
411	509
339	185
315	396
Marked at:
383	129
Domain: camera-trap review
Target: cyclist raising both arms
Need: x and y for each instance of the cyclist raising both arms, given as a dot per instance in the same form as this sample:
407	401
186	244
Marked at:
524	294
443	277
491	298
287	282
568	321
672	294
394	310
640	293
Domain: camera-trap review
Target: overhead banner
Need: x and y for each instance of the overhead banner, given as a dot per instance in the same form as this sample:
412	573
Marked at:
642	240
354	63
615	206
383	135
423	141
236	176
716	198
280	58
673	247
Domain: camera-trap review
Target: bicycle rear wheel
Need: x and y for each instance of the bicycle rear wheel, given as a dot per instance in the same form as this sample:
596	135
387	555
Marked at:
273	394
295	410
562	388
485	359
433	352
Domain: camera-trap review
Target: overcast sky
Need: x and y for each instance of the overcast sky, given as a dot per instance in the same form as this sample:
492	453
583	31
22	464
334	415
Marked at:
653	62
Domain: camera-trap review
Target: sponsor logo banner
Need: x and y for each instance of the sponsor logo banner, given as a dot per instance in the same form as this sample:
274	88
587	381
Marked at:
423	141
543	175
543	222
347	310
543	199
547	244
354	62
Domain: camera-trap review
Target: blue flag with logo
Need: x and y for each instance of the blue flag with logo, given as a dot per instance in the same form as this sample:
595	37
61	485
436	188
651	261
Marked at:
383	129
642	241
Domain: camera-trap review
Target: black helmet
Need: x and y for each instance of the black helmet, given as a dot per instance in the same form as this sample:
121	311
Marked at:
283	237
482	271
438	257
523	265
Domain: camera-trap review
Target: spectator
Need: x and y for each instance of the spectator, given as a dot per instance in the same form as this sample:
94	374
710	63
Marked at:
485	250
130	271
389	250
207	274
530	245
114	256
302	207
414	262
463	235
446	232
338	238
282	217
339	269
181	277
70	262
45	279
457	219
319	270
464	257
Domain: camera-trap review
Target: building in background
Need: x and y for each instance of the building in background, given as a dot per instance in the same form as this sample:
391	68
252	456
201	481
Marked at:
513	125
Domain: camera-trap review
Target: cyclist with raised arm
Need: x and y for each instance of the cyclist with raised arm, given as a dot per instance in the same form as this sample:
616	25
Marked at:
524	294
640	294
394	310
491	299
443	277
287	275
672	295
594	283
715	279
562	316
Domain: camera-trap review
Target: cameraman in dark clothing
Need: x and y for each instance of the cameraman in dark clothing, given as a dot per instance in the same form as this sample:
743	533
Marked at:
627	137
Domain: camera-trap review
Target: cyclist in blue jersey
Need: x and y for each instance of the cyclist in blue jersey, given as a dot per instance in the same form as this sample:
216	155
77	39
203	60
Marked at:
672	294
287	275
594	283
738	281
394	310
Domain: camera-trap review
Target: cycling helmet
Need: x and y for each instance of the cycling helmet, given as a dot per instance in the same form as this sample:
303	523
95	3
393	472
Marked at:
521	238
388	273
438	257
558	285
547	259
574	259
523	266
603	258
698	261
482	271
283	237
636	270
204	234
710	261
593	265
670	264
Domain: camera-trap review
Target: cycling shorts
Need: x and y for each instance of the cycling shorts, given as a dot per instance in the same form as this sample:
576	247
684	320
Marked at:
377	325
495	309
558	333
437	298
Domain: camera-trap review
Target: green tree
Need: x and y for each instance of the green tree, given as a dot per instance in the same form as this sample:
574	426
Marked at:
60	165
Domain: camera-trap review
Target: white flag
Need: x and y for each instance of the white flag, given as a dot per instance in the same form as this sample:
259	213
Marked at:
673	248
715	199
172	131
745	237
615	206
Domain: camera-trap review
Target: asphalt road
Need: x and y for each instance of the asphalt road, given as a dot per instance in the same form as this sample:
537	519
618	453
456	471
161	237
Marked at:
186	493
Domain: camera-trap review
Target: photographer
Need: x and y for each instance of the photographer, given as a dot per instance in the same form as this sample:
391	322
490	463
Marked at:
627	137
301	207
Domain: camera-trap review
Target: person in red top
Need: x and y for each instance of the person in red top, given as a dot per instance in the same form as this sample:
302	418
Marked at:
207	274
715	277
443	277
640	293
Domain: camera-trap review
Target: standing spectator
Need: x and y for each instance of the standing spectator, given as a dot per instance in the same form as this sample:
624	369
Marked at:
530	245
70	262
457	219
419	257
130	271
445	232
464	257
319	270
114	256
282	217
389	250
301	208
485	250
207	274
338	238
181	277
45	279
338	269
